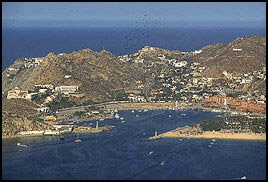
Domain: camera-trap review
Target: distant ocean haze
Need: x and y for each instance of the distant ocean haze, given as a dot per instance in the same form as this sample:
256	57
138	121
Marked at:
38	42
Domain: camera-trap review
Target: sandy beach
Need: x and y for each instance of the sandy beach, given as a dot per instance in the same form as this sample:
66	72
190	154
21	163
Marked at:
216	135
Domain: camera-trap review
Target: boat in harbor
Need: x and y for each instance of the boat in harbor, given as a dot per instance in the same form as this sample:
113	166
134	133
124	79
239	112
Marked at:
213	140
183	114
122	118
117	116
243	177
169	116
145	110
21	145
61	137
115	110
132	111
77	140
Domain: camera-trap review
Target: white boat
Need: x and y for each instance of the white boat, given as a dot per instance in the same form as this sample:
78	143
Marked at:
162	163
169	116
213	140
243	177
137	115
77	140
180	139
145	110
122	121
117	116
183	114
21	145
115	110
132	111
211	143
150	153
122	118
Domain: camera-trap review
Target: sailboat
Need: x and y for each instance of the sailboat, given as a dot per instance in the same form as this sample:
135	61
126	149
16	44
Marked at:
61	137
77	140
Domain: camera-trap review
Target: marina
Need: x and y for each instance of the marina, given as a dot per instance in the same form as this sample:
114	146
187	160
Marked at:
127	144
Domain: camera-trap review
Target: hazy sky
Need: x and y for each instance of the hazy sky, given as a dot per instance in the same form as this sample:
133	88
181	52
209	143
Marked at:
37	14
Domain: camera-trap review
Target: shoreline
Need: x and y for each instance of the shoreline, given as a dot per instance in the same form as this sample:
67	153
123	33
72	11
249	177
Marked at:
163	106
213	135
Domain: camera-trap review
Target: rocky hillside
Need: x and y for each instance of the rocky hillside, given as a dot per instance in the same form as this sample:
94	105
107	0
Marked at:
98	74
17	115
95	73
243	55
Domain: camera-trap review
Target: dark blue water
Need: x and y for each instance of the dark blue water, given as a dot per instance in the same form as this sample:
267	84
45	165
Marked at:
38	42
122	153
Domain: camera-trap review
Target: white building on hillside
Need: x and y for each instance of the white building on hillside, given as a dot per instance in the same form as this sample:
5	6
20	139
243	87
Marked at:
67	89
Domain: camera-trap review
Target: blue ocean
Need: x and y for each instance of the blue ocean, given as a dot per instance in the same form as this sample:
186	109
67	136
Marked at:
38	42
125	153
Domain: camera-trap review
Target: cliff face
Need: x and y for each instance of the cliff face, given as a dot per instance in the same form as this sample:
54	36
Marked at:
17	116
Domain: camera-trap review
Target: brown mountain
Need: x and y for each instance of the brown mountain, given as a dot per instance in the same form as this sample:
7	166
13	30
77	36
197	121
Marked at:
98	74
243	55
17	115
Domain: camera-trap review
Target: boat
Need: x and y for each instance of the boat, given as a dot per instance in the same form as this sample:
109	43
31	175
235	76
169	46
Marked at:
169	116
213	140
243	177
180	139
150	153
137	115
162	163
115	110
121	118
21	145
132	111
209	145
77	140
116	116
122	121
145	110
61	137
183	114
